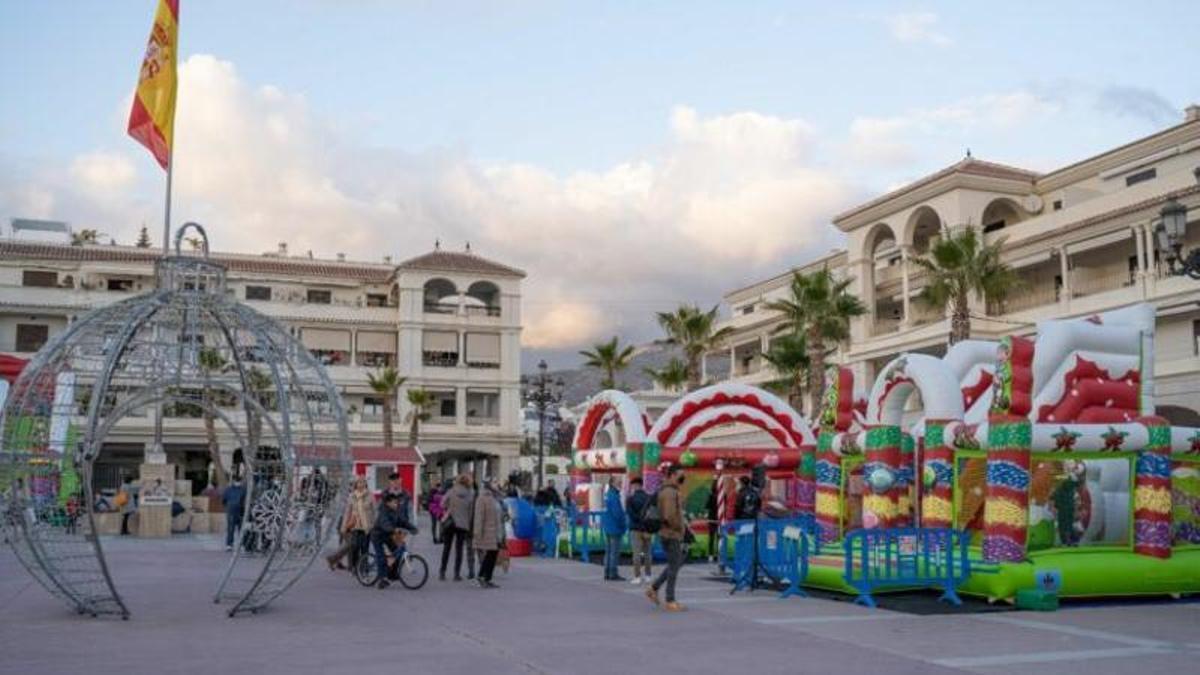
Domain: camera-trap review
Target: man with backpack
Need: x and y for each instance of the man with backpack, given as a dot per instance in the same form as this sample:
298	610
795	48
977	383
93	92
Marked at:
668	509
640	534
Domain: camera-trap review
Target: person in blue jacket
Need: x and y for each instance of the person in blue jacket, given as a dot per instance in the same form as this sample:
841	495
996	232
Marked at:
614	530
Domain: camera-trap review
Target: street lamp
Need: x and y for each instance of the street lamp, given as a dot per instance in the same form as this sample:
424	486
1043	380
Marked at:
1169	236
543	392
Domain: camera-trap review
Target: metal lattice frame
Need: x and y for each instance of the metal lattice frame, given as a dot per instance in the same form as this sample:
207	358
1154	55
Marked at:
187	347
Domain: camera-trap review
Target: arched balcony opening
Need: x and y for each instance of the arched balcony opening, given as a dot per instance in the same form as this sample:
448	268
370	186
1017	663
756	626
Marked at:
999	214
925	228
482	299
886	270
441	297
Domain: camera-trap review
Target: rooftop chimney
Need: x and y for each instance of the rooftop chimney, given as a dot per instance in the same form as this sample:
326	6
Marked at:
283	248
1191	113
387	259
341	257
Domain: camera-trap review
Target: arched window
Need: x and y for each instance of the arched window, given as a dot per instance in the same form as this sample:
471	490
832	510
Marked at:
1000	213
926	227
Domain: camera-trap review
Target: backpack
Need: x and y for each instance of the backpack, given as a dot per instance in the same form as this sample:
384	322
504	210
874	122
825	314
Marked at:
651	517
121	499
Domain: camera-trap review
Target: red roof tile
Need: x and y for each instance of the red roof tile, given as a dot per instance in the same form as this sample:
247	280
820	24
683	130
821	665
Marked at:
969	165
452	261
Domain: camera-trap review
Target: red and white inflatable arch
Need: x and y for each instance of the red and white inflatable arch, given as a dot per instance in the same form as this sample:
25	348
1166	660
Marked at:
730	402
940	393
602	407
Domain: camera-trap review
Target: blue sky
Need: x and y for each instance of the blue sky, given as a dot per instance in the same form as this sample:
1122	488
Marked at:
560	137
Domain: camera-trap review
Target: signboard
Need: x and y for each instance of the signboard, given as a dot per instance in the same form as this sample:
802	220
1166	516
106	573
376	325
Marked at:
1049	580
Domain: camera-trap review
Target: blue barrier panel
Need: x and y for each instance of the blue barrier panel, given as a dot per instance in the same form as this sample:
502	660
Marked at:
915	557
779	548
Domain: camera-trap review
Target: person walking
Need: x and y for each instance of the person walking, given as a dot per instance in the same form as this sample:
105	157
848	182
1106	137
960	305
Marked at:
127	501
457	506
613	523
356	523
234	501
640	538
488	531
670	509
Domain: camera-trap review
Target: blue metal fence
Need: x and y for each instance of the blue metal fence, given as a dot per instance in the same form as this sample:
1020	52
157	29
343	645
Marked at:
777	549
908	557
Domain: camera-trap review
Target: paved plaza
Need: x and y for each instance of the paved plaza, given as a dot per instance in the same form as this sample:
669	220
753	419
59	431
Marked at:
553	617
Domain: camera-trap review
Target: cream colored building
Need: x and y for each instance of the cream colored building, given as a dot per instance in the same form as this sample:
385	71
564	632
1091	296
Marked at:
1081	237
448	321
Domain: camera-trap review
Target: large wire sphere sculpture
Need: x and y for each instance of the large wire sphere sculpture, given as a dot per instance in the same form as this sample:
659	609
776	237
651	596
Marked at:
188	348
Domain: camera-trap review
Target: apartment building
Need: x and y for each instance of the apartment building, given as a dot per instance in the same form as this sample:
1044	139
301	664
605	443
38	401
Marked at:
1081	237
448	321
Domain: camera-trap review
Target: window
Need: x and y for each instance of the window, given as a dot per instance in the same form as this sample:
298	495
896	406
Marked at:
445	407
120	284
39	279
31	336
483	350
992	227
376	349
483	407
1141	177
1196	336
748	309
372	407
439	348
377	300
1133	270
258	292
319	297
329	347
1057	205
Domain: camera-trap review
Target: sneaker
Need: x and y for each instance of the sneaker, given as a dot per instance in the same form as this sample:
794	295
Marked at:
488	584
636	581
674	607
228	549
652	595
383	583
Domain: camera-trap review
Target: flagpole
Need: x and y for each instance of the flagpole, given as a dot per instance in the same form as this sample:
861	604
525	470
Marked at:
167	210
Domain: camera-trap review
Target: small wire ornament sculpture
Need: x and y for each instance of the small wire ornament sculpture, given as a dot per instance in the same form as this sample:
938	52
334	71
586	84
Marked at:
187	348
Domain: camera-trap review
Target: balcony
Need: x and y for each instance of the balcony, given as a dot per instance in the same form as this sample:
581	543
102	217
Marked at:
1085	284
1026	298
885	326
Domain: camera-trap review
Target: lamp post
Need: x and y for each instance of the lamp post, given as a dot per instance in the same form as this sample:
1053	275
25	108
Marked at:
543	392
1169	235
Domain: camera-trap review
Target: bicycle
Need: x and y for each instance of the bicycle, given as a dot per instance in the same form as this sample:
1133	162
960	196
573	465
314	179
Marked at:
410	569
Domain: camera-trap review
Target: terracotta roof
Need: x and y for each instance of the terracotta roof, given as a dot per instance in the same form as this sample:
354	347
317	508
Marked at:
453	261
370	273
969	166
404	455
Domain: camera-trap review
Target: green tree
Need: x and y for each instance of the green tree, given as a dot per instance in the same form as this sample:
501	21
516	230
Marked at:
693	330
385	383
610	358
671	377
211	363
143	240
86	237
421	401
819	308
789	358
959	265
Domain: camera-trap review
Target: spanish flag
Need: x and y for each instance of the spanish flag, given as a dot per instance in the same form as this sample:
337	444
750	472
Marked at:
152	120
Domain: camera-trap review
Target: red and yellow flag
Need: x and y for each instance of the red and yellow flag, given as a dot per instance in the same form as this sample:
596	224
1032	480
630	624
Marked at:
152	120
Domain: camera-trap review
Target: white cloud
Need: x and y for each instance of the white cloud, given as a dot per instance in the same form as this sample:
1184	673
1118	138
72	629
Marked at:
895	140
722	200
103	175
917	27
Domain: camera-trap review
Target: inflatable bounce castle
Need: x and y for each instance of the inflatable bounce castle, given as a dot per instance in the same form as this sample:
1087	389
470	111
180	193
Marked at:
1044	454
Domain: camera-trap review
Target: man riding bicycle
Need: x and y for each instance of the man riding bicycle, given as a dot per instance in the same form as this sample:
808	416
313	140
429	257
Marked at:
387	533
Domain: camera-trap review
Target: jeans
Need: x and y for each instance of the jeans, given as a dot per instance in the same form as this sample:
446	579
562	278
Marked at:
125	522
674	549
488	565
454	537
233	521
612	555
433	528
641	542
381	545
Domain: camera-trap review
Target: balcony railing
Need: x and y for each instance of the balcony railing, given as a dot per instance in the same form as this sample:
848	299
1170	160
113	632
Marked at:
474	310
376	359
1099	283
885	326
440	359
441	308
483	421
1025	298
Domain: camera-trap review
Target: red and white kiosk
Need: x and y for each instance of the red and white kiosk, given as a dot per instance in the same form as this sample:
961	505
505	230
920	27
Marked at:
375	463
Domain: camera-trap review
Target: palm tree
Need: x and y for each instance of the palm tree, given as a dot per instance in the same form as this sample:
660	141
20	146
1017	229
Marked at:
789	357
819	308
959	265
212	362
671	377
260	388
421	401
610	358
385	383
691	329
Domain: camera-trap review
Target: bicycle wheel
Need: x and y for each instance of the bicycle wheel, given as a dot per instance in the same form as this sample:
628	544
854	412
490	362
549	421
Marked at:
365	570
413	572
